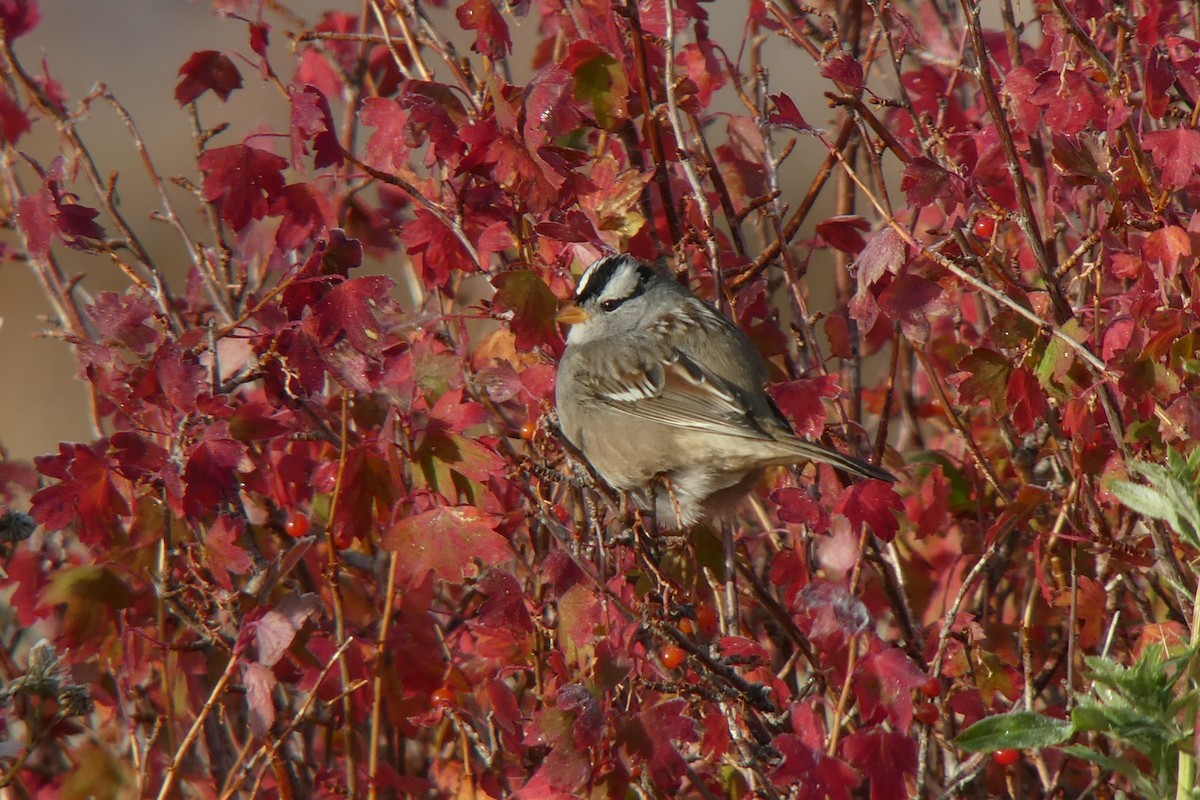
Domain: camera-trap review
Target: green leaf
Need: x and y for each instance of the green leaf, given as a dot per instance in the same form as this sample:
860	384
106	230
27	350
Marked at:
1144	500
1018	729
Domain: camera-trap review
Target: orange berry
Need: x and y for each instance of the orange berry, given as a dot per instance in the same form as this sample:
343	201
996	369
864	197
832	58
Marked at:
297	525
1006	758
673	657
442	697
528	429
687	627
985	227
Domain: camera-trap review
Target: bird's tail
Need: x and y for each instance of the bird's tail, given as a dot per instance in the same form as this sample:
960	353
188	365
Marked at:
811	451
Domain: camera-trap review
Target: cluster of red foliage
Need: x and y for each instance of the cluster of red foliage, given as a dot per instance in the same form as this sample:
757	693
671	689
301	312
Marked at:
328	544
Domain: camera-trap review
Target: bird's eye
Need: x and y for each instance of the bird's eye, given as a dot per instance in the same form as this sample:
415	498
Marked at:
611	304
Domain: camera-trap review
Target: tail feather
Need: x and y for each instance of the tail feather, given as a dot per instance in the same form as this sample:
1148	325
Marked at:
810	451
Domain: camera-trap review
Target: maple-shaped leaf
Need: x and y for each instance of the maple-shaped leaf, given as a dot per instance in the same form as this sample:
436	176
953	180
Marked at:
19	17
926	182
1176	154
222	554
53	212
705	74
347	312
204	71
810	773
844	232
503	622
910	299
787	115
259	682
801	401
888	758
491	31
447	541
884	682
884	253
306	214
527	297
600	82
1166	246
929	506
242	181
93	596
88	490
1026	399
871	503
798	506
211	474
274	631
986	378
13	121
844	69
439	250
313	121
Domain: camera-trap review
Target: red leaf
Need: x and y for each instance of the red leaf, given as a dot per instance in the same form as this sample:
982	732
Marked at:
439	250
260	684
1176	154
211	473
704	72
926	182
19	17
812	774
88	490
786	114
13	121
884	253
798	506
446	540
242	181
222	553
1026	400
503	622
871	503
986	378
887	758
844	232
1159	77
526	296
275	630
35	218
800	401
845	70
884	682
491	31
908	300
306	214
833	613
1166	246
204	71
312	120
347	311
929	507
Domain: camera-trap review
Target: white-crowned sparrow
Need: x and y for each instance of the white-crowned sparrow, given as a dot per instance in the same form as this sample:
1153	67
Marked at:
656	383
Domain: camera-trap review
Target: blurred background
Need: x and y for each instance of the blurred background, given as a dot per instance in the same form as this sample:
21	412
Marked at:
136	47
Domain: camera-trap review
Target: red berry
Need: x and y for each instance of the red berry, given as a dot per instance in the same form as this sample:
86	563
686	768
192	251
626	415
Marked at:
985	227
297	525
927	713
673	657
1006	758
932	688
442	697
706	618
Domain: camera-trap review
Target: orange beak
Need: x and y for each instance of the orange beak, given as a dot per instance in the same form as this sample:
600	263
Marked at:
571	315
